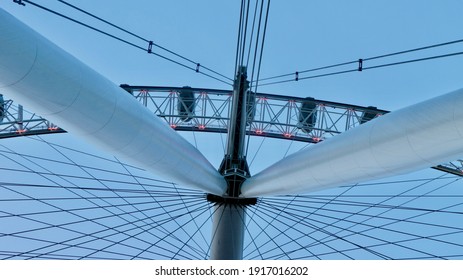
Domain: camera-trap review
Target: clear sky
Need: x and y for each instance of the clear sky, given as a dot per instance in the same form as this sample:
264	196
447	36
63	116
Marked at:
301	35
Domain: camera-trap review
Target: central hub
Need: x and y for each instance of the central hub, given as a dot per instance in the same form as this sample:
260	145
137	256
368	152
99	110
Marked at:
231	200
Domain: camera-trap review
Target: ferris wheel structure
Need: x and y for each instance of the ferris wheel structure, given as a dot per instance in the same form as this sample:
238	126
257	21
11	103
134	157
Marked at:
349	144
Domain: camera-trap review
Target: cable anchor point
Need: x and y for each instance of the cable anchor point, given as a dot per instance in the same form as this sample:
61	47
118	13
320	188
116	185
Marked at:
197	67
19	2
150	47
360	65
297	76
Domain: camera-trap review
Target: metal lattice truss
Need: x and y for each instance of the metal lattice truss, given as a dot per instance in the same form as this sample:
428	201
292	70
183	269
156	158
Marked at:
276	116
16	121
207	110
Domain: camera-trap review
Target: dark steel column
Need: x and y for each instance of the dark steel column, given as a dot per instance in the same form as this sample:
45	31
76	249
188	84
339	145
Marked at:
234	166
229	217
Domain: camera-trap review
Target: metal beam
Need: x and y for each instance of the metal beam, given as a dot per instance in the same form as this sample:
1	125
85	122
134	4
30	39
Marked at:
229	216
37	73
413	138
234	167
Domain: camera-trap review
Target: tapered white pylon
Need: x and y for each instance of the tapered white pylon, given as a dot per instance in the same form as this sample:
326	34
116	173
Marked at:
50	82
410	139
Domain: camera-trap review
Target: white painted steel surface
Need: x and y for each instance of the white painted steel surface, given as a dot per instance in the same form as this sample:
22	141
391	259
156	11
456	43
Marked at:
410	139
38	74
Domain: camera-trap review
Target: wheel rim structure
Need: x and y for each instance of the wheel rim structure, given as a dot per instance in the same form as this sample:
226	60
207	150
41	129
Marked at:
108	210
59	202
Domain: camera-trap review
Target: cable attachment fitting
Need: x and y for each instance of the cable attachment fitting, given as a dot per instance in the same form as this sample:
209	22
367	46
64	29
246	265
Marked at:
19	2
360	65
150	46
297	76
197	67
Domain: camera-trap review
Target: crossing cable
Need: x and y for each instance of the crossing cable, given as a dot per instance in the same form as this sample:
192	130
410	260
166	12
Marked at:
245	33
238	41
243	27
254	83
252	34
196	68
143	39
262	46
256	48
360	67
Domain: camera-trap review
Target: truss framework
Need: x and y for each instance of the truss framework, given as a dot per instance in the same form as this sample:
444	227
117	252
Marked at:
16	121
269	115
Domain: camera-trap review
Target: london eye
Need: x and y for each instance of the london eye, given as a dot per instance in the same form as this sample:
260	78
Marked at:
93	169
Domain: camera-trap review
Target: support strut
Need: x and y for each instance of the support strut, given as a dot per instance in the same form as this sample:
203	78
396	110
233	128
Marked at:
234	166
229	215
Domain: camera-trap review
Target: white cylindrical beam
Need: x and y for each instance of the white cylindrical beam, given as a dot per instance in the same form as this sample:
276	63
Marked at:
49	81
410	139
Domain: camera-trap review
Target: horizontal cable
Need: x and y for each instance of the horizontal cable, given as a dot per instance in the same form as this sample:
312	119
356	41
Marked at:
415	49
413	60
309	70
197	65
360	64
310	77
365	68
